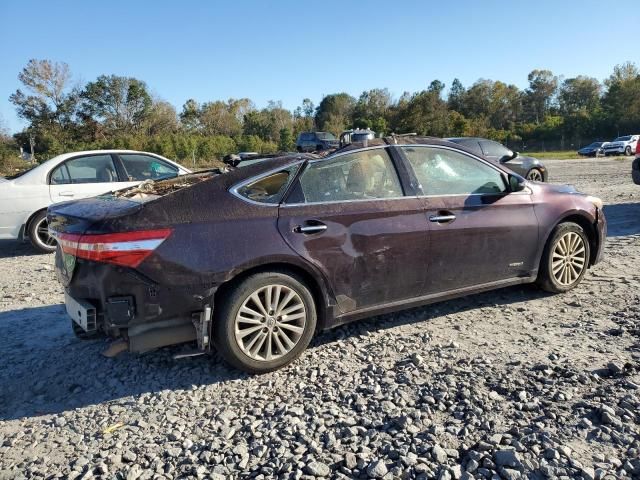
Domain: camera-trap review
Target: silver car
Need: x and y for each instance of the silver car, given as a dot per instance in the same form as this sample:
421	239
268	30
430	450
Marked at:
529	167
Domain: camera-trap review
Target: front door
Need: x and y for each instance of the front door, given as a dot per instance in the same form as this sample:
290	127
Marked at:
349	218
479	231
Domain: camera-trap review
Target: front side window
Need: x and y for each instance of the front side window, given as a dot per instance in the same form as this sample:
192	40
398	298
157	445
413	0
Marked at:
363	175
93	169
144	167
447	172
268	189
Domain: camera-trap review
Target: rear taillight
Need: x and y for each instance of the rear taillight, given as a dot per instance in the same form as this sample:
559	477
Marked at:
128	249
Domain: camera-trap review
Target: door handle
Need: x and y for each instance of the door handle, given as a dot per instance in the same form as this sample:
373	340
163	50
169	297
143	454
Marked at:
315	228
66	194
442	218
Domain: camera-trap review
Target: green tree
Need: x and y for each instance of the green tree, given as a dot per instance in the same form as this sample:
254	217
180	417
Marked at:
286	142
120	104
190	115
334	114
540	94
621	101
50	101
455	101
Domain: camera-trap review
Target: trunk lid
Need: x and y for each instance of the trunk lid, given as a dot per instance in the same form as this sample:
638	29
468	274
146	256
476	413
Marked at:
78	216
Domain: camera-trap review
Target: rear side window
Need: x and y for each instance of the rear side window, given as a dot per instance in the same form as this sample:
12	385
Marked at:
144	167
447	172
92	169
269	189
363	175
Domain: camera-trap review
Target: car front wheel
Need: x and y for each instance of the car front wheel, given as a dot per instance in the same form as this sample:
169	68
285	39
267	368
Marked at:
565	258
265	322
627	151
39	234
535	175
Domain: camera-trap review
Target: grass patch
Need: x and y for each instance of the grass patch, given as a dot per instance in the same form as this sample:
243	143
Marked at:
557	155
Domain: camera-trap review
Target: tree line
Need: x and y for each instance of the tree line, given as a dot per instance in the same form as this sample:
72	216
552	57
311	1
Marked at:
120	112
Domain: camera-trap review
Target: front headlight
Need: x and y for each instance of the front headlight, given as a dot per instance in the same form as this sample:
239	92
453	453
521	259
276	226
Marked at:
596	201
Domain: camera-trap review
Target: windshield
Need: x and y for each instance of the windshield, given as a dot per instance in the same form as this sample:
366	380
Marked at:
595	144
623	139
325	136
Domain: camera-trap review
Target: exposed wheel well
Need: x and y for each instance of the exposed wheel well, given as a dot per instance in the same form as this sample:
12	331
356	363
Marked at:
589	230
287	268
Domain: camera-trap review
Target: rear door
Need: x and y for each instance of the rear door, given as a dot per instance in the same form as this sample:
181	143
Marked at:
479	231
83	176
349	217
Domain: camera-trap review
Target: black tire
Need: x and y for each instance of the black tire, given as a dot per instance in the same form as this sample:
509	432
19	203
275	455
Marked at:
224	334
635	171
41	242
546	278
299	149
627	151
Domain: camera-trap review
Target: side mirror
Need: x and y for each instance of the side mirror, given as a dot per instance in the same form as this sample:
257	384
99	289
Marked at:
516	183
509	156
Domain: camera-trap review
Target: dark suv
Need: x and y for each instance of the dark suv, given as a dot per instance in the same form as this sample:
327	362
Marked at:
316	141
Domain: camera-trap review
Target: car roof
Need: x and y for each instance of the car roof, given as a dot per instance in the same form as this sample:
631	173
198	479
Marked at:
39	173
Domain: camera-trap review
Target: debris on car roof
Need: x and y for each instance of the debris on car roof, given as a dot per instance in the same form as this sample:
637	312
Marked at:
162	187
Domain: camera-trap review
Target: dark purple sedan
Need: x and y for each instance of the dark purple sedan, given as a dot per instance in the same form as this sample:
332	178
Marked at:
253	261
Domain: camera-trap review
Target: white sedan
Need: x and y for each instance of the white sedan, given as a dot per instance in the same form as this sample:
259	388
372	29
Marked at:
24	198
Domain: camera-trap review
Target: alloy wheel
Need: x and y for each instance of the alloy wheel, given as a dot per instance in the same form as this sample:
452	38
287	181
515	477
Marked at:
568	260
534	175
42	235
270	322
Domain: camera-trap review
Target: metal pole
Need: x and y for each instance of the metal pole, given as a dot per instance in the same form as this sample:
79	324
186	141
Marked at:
31	144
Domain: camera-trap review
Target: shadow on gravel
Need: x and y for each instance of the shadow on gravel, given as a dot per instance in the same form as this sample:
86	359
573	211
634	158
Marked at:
14	248
46	370
622	219
502	297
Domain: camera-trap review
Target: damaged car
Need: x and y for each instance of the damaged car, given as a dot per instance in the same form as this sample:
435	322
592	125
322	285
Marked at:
252	262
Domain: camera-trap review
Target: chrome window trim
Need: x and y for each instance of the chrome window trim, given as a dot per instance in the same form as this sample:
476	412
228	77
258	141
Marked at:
333	202
234	189
341	154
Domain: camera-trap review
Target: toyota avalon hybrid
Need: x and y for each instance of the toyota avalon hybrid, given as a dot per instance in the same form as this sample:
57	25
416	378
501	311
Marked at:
253	261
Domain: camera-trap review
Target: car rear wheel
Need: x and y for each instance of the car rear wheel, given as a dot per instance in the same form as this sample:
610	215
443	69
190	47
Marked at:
265	322
565	259
535	175
627	151
39	234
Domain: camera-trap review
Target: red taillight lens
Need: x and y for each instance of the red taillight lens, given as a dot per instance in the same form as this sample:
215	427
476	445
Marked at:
128	249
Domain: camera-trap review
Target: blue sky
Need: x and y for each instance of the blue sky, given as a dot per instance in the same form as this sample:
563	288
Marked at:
284	50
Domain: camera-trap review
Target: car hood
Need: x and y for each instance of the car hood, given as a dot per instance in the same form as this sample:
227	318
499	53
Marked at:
554	188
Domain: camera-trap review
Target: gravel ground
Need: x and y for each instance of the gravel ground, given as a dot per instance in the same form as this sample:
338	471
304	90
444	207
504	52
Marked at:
509	384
